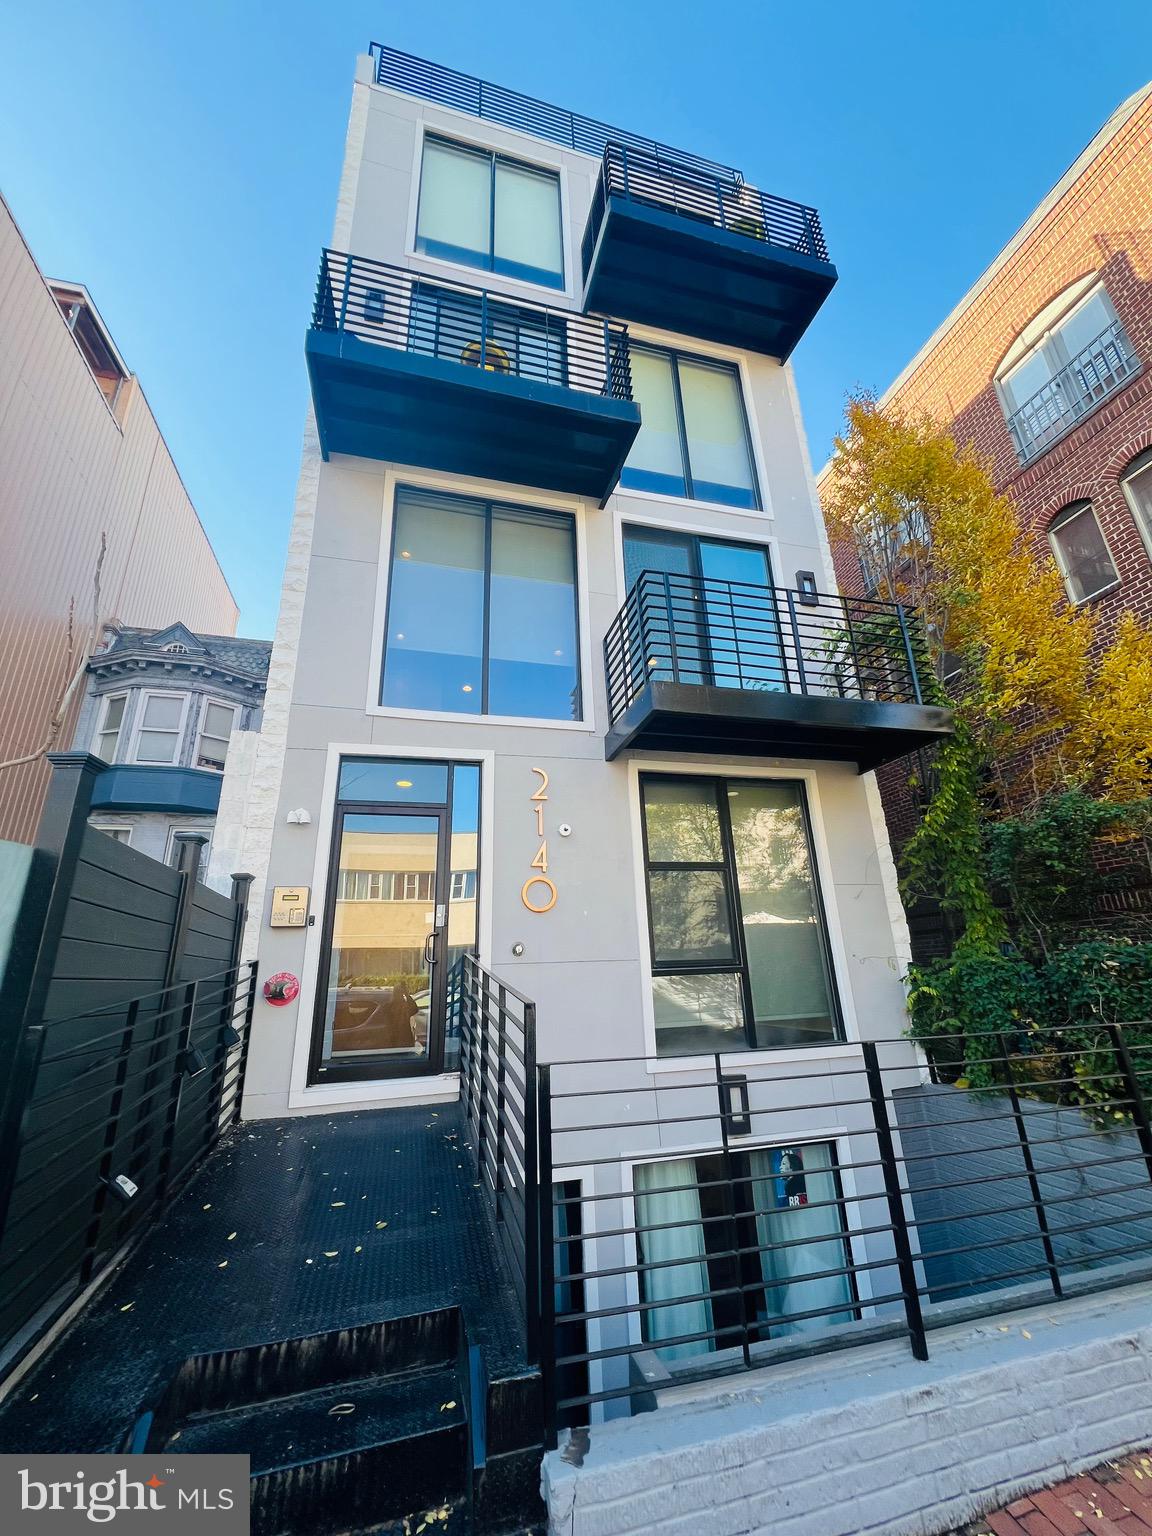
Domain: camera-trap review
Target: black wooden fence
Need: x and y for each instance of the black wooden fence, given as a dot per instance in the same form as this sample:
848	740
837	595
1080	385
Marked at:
124	1020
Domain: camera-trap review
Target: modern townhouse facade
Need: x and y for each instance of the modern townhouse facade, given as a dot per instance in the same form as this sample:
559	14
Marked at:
561	681
160	709
82	460
1043	367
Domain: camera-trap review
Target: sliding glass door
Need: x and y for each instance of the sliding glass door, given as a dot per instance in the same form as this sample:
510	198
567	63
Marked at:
709	607
739	943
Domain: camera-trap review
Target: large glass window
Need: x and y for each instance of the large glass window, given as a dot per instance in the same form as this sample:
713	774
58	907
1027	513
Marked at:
1137	483
501	338
710	603
739	949
693	439
758	1255
481	610
216	724
161	726
1068	365
484	210
1081	553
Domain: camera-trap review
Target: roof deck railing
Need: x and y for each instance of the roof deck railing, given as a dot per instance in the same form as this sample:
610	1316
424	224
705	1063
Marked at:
694	193
480	98
407	311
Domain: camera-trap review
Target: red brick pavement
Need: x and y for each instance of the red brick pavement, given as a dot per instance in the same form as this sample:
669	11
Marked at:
1114	1499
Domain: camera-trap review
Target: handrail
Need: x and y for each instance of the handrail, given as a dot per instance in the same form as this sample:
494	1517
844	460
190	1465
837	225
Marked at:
1070	394
730	634
480	98
477	328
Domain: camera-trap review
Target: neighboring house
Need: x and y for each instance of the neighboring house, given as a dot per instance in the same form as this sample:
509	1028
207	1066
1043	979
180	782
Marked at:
160	709
1044	367
81	457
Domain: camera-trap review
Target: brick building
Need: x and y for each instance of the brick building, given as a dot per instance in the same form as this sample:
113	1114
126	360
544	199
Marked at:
1045	366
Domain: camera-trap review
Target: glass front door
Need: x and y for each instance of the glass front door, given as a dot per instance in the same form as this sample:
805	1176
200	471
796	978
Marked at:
401	913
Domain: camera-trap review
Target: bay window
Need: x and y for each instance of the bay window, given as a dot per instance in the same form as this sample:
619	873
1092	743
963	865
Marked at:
485	210
161	727
111	721
481	610
216	724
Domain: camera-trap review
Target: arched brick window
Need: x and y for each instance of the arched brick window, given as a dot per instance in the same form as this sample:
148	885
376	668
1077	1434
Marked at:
1082	553
1137	483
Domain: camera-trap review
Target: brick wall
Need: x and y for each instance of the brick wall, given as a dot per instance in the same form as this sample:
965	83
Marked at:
1101	223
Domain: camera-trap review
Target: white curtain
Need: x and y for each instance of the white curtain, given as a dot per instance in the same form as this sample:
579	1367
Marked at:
455	198
788	1286
659	1200
714	422
528	219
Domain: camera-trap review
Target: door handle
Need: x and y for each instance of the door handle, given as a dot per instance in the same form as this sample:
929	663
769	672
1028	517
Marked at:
430	949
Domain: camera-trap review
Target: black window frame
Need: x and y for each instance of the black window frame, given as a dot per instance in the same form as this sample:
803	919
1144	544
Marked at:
727	865
677	355
457	255
489	505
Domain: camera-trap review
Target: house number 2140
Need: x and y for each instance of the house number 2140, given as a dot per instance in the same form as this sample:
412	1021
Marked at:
538	893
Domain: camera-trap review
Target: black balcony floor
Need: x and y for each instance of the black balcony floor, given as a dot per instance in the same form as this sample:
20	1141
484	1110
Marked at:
304	1197
659	267
381	403
686	717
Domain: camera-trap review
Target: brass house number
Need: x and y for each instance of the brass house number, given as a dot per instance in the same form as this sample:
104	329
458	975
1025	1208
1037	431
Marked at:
538	893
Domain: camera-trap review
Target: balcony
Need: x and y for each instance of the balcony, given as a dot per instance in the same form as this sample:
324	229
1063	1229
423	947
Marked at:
697	665
1073	393
673	245
448	376
145	787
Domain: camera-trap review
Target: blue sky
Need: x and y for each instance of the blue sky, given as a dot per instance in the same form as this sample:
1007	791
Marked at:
182	161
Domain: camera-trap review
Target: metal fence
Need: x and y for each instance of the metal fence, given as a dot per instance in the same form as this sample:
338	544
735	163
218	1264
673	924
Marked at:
696	193
498	1093
1070	394
106	1115
721	1220
480	98
458	323
729	634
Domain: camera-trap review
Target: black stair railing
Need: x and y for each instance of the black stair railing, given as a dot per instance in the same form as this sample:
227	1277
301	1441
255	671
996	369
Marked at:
498	1093
729	634
458	323
695	192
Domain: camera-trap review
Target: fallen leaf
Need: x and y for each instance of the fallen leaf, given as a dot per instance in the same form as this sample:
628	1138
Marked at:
336	1204
333	1253
231	1235
341	1409
1025	1332
223	1264
308	1261
207	1207
445	1406
128	1307
34	1396
380	1225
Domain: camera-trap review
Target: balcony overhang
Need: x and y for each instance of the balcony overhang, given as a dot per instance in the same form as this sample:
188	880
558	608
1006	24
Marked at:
379	403
674	272
141	787
734	722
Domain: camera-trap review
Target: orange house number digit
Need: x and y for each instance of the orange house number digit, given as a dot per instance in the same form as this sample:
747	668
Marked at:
539	885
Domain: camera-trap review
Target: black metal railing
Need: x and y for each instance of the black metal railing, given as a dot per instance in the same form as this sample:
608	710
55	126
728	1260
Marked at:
498	1093
731	634
933	1201
480	98
1073	392
695	193
106	1115
459	323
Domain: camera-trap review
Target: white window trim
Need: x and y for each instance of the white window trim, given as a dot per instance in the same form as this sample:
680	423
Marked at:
138	724
102	717
381	1093
205	851
114	826
1143	521
205	700
484	490
471	137
1058	554
838	955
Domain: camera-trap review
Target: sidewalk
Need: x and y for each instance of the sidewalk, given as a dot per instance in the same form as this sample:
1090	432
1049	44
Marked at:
1114	1499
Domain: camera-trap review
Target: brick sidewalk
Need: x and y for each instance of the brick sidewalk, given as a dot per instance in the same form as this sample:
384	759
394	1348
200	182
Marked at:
1114	1499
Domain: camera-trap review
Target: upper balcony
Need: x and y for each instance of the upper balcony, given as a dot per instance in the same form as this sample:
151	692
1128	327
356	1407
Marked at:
1073	392
699	665
696	251
424	371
